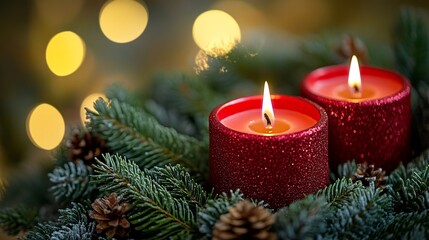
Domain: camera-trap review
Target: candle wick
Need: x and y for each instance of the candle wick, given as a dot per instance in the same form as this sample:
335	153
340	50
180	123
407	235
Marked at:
269	125
356	88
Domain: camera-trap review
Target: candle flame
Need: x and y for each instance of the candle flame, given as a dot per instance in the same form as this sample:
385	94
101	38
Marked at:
355	82
267	108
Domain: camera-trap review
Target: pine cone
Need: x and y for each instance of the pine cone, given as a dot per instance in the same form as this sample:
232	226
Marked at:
244	221
367	173
110	216
85	147
353	46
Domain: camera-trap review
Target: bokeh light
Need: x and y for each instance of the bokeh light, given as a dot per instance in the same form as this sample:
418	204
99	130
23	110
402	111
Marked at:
88	102
45	126
123	21
216	32
65	53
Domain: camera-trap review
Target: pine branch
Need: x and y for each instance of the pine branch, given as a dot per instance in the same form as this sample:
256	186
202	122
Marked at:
71	181
171	118
156	212
412	47
71	223
133	133
181	185
413	225
341	193
187	94
79	231
214	208
363	218
411	194
303	219
16	220
345	170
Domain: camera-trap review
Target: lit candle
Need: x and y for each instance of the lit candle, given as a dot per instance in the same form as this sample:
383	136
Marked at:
369	113
263	120
272	147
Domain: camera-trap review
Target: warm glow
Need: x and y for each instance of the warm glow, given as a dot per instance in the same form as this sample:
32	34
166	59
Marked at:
354	81
267	108
216	32
45	126
88	102
123	21
65	53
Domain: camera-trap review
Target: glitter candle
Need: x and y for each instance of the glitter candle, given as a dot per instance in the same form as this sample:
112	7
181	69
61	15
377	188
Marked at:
278	156
369	113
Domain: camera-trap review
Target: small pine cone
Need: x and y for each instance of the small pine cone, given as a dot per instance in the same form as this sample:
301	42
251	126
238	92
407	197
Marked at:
353	46
367	173
244	221
110	216
85	146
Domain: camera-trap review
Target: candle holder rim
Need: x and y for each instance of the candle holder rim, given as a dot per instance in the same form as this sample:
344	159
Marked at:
321	123
405	90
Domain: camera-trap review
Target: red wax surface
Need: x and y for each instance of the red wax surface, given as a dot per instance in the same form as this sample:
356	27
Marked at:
374	129
277	169
331	82
242	121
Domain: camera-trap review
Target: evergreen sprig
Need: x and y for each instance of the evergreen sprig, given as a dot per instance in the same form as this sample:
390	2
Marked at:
214	208
303	219
352	220
180	184
412	194
341	193
133	133
18	219
72	224
71	181
155	212
413	225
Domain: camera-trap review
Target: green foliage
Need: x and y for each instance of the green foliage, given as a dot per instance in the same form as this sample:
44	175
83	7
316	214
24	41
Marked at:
135	134
303	219
412	46
71	181
18	219
172	118
214	208
345	170
413	225
362	218
411	49
155	212
412	194
71	224
341	193
180	184
80	231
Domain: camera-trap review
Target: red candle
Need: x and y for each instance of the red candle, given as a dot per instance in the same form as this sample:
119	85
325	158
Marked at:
274	150
369	113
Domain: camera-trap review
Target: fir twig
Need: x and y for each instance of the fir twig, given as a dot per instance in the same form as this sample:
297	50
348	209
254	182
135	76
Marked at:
181	185
133	133
413	225
71	224
412	194
340	193
352	220
155	211
71	181
214	208
303	219
18	219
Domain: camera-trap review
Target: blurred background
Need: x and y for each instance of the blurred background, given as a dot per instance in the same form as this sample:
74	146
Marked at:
59	52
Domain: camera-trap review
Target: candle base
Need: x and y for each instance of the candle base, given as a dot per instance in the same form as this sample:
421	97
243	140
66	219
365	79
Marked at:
278	169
